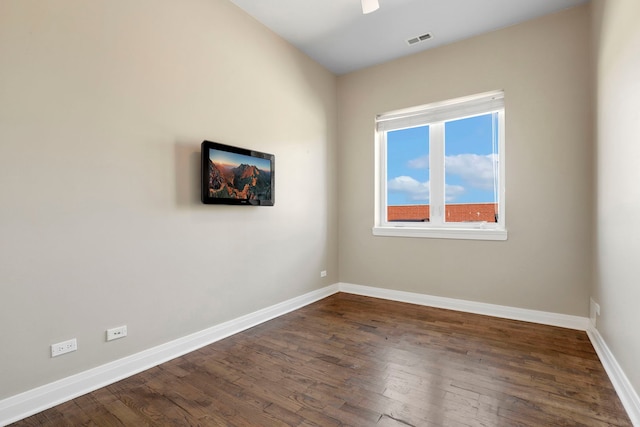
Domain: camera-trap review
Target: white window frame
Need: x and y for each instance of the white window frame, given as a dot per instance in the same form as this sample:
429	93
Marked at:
435	115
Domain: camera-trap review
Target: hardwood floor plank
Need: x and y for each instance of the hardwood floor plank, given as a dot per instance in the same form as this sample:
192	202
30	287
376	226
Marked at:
349	360
101	410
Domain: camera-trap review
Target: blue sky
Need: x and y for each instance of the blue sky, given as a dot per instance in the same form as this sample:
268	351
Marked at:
225	157
468	163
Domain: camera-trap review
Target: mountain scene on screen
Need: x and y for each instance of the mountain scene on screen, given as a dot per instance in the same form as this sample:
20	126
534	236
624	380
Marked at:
239	182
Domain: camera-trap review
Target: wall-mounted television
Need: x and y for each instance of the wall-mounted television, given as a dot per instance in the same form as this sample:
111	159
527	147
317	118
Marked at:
236	176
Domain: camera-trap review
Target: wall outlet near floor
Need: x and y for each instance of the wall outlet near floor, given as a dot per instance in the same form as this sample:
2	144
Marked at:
323	273
115	333
594	311
64	347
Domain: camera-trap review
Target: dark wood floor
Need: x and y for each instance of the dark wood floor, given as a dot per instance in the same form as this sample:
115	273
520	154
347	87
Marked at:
358	361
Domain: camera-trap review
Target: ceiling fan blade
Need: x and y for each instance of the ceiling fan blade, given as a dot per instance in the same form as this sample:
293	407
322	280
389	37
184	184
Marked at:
369	6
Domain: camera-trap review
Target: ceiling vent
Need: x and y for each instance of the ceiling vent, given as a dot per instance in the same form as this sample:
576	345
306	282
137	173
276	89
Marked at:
418	39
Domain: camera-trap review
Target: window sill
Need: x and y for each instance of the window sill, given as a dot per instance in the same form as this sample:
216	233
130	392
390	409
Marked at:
441	233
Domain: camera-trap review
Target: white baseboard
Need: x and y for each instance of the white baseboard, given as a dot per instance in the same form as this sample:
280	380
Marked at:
33	401
621	383
534	316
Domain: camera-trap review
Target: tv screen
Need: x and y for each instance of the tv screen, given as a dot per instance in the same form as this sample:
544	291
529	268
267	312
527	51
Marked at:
236	176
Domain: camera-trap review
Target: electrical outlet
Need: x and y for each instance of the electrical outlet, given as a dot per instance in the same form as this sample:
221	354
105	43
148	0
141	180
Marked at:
64	347
115	333
323	273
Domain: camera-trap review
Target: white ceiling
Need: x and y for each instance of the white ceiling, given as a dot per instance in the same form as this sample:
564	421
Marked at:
336	34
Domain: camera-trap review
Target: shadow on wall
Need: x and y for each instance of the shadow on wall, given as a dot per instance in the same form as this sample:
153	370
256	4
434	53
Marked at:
187	174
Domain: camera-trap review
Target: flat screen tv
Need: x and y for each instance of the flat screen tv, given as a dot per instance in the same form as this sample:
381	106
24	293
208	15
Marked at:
236	176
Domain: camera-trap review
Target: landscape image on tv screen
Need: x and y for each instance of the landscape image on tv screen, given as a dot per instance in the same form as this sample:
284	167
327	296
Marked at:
238	176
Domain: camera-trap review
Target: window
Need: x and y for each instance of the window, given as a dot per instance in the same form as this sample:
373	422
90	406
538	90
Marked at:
440	170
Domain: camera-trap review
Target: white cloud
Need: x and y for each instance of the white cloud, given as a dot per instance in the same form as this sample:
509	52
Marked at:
416	190
419	163
419	191
474	169
452	191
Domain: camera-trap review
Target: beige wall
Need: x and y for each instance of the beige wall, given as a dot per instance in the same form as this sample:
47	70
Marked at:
103	106
543	67
617	287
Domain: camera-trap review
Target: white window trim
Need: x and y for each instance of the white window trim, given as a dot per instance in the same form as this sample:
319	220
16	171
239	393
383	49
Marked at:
428	114
441	233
